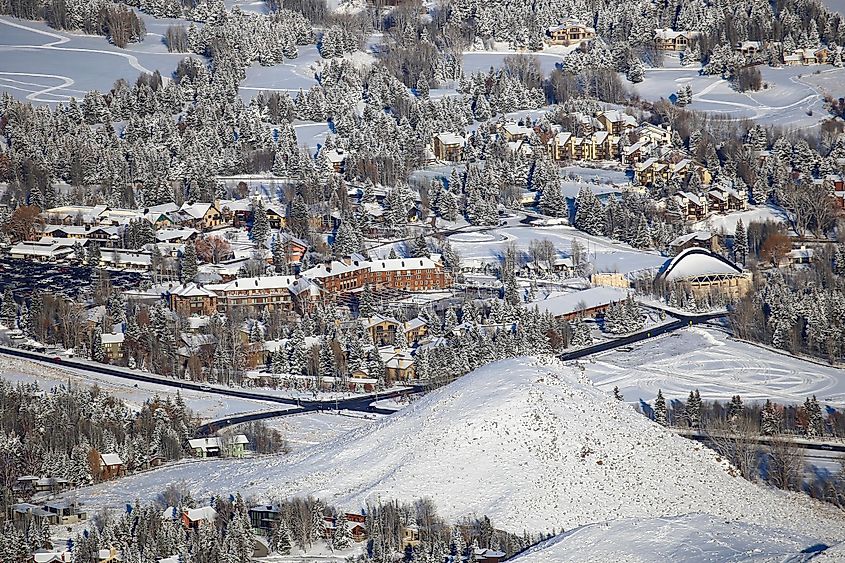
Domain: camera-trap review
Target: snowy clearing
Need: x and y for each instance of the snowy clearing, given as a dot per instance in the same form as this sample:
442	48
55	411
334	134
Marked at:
524	441
705	359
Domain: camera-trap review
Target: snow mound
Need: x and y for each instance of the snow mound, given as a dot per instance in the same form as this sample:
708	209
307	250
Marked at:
534	446
530	443
681	539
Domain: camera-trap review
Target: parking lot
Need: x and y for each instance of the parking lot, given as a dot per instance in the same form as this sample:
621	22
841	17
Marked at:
24	276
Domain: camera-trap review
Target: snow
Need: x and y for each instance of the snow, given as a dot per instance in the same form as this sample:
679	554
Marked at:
206	406
525	441
681	539
70	64
719	367
567	303
697	262
304	430
727	223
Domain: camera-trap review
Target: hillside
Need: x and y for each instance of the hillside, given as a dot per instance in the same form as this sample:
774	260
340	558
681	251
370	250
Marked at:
681	539
526	442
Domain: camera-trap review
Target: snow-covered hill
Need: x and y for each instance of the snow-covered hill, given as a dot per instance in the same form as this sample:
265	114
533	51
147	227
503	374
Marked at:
523	441
680	539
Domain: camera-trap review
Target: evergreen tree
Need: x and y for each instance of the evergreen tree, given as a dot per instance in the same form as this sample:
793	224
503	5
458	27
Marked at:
617	394
9	310
693	409
189	262
740	246
660	413
770	422
260	231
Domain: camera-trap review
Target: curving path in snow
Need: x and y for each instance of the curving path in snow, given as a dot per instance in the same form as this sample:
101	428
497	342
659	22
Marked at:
57	43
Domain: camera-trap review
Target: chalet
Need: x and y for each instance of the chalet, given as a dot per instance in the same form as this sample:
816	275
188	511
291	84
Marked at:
800	255
696	239
724	199
201	216
636	153
197	517
693	206
651	170
113	346
336	159
805	57
616	123
192	299
357	526
24	513
382	330
111	466
569	32
415	330
515	132
560	146
449	146
76	214
667	39
839	200
661	136
749	48
591	302
176	235
410	536
294	248
398	363
684	168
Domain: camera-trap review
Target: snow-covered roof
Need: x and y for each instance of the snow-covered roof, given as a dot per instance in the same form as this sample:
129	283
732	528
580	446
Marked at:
166	235
192	290
669	34
695	263
111	459
195	210
561	304
39	249
617	116
514	129
394	264
334	268
336	156
205	513
451	139
242	284
701	236
112	338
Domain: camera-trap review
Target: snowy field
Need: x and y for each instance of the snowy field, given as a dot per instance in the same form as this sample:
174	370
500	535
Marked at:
527	442
727	223
304	430
69	64
705	359
206	406
682	539
794	96
607	256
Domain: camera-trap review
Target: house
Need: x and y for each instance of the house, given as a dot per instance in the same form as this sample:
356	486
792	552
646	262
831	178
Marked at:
337	277
357	526
410	536
560	146
192	299
800	255
41	251
591	302
693	206
651	170
724	199
382	330
749	48
569	32
515	132
616	122
294	248
201	216
113	346
139	260
449	146
696	239
63	556
65	512
264	517
667	39
398	363
217	446
805	57
661	136
176	235
336	159
111	466
23	513
196	517
486	555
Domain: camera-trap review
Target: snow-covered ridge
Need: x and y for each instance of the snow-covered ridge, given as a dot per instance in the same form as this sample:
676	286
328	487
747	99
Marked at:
528	442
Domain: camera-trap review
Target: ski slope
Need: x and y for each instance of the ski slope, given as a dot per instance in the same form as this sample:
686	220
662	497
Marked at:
525	441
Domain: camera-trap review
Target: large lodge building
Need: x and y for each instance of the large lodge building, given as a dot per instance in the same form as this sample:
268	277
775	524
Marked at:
324	281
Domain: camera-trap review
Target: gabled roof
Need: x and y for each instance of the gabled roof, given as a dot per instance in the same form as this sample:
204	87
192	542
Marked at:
111	459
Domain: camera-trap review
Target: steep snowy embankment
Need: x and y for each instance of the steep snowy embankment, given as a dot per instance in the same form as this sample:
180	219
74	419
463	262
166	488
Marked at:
523	441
